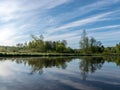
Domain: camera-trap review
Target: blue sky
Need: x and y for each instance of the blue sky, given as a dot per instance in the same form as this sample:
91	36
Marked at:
59	19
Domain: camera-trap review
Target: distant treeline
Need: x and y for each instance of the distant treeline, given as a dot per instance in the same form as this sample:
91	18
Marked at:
88	45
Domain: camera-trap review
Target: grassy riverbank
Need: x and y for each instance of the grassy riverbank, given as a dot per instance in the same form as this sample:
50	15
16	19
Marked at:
11	54
38	54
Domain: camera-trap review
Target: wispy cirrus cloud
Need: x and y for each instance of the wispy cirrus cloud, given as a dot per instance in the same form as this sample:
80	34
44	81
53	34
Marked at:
16	17
78	11
80	22
104	27
58	19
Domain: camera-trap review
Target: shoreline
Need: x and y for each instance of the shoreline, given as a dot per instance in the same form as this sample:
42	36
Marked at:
51	54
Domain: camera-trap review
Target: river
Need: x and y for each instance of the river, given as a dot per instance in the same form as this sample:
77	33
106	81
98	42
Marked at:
60	73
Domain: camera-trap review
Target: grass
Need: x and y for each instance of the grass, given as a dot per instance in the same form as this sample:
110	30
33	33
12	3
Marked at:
34	54
17	54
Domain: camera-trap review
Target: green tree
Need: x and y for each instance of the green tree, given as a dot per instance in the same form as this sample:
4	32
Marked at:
60	48
37	44
84	42
90	45
117	48
48	46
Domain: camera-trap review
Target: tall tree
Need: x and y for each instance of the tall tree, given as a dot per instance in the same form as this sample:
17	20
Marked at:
90	45
84	42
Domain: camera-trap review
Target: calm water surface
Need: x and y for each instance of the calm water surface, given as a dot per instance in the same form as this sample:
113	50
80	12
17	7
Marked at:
83	73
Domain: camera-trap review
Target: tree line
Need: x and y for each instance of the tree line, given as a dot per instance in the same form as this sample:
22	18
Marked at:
88	45
91	45
38	44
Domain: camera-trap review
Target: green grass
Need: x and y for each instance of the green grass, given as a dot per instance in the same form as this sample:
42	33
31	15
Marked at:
15	54
35	54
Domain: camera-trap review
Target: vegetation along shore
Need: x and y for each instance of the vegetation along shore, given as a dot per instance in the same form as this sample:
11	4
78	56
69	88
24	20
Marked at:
89	46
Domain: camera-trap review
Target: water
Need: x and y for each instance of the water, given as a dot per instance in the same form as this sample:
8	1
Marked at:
80	73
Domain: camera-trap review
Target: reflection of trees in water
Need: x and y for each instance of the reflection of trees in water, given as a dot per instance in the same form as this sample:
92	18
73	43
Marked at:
37	64
86	65
90	64
114	59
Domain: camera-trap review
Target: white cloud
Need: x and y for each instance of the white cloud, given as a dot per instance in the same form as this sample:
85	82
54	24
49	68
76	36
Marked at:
10	34
104	27
41	4
16	21
82	22
60	37
107	36
86	9
19	18
9	9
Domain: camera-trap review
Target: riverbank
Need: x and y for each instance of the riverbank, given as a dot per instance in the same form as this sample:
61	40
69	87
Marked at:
51	54
39	54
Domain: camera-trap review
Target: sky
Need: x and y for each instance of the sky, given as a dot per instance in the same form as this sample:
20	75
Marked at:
58	20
